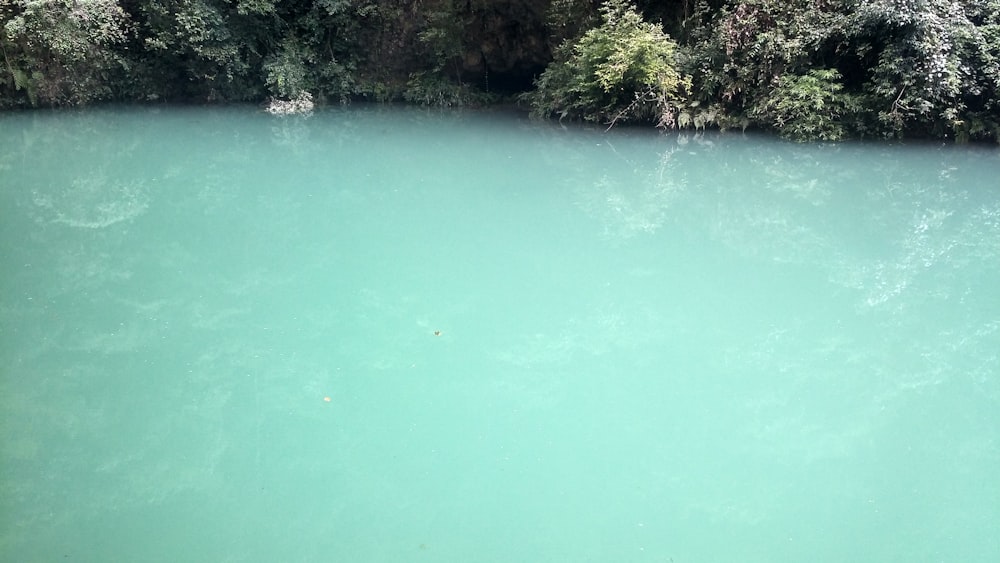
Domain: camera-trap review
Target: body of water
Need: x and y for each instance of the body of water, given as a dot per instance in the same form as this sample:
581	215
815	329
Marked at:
384	334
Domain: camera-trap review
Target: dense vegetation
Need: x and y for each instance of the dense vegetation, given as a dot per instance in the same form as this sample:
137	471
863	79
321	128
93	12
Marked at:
807	69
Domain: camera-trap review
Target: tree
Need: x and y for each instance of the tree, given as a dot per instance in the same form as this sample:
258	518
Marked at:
201	49
901	67
809	107
623	69
934	65
63	52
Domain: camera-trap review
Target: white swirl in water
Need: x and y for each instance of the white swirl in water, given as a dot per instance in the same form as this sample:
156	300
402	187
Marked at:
94	202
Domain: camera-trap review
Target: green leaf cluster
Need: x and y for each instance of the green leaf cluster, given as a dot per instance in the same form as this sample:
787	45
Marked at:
826	69
806	69
808	107
934	66
63	51
623	69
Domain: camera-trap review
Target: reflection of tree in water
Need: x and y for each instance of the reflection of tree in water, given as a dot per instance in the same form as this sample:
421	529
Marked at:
910	256
77	174
875	223
92	201
764	200
912	260
636	199
291	131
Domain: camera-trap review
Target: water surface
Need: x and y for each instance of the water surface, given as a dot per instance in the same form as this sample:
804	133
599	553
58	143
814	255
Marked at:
382	334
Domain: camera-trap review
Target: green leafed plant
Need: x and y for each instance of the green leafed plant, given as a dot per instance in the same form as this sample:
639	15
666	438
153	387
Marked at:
287	72
808	107
63	52
624	69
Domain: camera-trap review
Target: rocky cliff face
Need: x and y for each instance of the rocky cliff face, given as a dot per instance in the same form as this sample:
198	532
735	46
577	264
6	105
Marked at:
505	44
493	45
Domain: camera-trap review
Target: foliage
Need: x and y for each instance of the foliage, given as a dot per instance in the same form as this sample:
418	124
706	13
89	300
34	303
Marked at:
623	69
196	44
441	36
63	51
335	33
749	58
807	69
935	65
430	89
808	107
926	67
568	20
287	72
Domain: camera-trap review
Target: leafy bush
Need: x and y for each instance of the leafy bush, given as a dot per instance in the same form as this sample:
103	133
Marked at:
738	54
196	49
808	107
430	89
623	69
937	66
61	51
287	72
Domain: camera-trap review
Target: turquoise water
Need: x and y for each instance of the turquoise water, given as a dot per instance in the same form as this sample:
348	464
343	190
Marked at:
380	334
